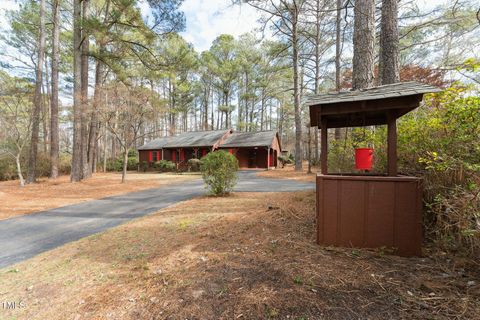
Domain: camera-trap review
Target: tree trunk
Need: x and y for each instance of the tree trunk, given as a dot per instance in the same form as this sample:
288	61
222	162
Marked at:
37	99
19	170
86	169
45	108
338	45
309	150
93	132
205	114
125	164
262	113
338	57
77	167
317	82
296	92
105	141
54	138
388	69
363	44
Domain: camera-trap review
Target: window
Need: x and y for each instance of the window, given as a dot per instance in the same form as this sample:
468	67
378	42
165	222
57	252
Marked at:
155	156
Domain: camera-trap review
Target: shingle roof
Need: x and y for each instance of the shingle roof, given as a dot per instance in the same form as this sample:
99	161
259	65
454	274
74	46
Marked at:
249	139
196	139
399	89
155	144
186	139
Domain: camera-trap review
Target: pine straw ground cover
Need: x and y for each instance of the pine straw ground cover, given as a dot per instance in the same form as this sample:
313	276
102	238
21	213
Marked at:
47	194
247	256
288	172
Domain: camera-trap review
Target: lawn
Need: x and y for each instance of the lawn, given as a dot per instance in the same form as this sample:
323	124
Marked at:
47	194
247	256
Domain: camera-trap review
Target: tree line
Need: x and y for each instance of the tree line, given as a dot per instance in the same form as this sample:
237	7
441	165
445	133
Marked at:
88	81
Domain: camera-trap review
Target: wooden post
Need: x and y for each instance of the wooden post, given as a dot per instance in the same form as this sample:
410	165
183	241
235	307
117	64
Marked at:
162	155
268	158
392	145
324	146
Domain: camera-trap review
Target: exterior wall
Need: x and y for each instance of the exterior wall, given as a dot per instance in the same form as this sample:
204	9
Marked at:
370	212
143	155
149	155
242	156
276	150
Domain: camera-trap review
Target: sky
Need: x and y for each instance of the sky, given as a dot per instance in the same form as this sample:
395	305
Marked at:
207	19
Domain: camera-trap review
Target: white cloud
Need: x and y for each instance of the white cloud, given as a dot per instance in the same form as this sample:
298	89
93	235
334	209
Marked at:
207	19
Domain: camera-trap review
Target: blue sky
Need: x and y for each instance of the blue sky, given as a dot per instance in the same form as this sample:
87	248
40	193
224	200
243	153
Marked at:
207	19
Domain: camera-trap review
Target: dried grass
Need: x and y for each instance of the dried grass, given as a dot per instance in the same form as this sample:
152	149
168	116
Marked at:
289	173
247	256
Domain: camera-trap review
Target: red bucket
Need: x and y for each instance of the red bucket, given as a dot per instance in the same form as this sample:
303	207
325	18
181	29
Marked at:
363	158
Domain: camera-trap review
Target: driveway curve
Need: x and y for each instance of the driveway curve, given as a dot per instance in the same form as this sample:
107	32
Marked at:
26	236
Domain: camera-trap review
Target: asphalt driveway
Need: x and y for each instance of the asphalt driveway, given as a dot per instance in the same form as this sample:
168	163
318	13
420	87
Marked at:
26	236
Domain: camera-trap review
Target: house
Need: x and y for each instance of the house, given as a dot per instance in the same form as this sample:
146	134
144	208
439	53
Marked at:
252	149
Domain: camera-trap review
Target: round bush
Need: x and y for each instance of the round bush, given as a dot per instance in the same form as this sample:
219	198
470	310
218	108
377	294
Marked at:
194	164
165	165
219	171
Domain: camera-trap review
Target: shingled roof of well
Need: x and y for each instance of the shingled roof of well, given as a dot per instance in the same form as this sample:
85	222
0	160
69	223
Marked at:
249	139
399	89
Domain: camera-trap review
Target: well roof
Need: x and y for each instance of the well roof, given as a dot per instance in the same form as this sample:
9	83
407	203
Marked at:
367	106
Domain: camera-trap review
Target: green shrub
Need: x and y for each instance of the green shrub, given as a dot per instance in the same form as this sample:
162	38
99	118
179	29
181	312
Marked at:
43	165
194	164
284	160
132	163
117	164
65	164
165	166
143	166
219	171
8	170
114	165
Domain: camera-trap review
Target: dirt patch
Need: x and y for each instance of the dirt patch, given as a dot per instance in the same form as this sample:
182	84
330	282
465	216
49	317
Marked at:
289	172
234	258
47	194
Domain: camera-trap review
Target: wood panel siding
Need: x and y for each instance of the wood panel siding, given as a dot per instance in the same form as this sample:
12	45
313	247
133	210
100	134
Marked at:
370	212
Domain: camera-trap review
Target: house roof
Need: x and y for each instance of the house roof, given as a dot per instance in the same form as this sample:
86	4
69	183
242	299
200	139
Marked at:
249	139
156	144
196	139
186	139
210	138
372	106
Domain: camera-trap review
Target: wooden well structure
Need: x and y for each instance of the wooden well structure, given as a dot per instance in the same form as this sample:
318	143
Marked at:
368	211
